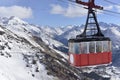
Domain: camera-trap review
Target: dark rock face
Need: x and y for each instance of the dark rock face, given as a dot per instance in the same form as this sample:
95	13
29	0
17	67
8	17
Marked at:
56	68
1	32
59	69
95	76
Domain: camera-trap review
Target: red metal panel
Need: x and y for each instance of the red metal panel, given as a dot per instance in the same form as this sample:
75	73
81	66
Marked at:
77	60
98	58
110	57
105	58
84	60
91	59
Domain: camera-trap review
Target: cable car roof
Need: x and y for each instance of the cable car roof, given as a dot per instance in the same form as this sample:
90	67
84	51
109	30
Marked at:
89	39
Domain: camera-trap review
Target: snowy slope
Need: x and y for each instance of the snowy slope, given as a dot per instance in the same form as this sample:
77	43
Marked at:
13	61
25	30
13	69
27	57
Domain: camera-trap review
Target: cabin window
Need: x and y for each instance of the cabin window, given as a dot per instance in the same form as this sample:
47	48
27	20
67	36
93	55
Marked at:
105	46
77	48
83	47
71	47
99	46
74	48
92	47
87	47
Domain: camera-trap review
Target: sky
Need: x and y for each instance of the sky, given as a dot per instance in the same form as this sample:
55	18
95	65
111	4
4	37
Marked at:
56	13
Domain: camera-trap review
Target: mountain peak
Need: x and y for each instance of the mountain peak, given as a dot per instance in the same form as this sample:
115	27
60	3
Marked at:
14	17
15	20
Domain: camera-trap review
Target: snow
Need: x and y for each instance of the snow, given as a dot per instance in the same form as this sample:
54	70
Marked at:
27	31
114	30
13	69
62	54
22	30
1	29
58	30
14	21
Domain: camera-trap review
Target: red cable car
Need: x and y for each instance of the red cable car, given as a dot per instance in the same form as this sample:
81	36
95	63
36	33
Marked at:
90	51
90	47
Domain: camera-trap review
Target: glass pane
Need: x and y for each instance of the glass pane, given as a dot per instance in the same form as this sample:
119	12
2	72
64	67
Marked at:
77	48
71	47
105	46
99	46
83	47
92	47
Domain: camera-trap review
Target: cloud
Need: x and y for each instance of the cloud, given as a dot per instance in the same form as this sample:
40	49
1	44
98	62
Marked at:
108	7
117	7
18	11
70	11
57	9
75	10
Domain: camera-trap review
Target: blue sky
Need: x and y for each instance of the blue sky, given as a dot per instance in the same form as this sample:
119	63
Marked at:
55	12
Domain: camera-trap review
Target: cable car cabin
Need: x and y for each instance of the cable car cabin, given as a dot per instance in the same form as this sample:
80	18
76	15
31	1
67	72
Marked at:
89	51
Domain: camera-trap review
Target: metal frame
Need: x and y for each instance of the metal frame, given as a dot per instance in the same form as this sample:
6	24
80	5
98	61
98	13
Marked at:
91	15
96	31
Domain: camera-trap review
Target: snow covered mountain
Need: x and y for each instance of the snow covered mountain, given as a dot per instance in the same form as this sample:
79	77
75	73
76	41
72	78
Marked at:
30	52
19	53
24	55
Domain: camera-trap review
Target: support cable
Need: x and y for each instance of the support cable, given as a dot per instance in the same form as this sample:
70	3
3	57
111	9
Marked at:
74	3
101	10
111	2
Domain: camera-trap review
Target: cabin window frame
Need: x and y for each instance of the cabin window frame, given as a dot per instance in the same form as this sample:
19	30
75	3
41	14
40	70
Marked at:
106	46
92	46
83	48
110	46
99	46
76	48
71	47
